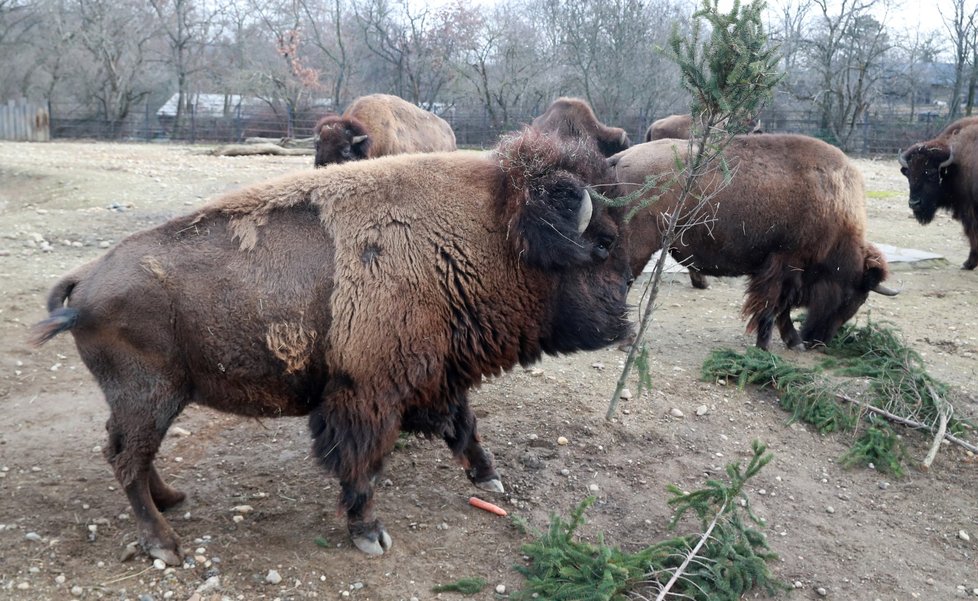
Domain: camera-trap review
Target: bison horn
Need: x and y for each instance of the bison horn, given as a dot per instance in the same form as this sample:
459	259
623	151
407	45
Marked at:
903	161
947	163
885	291
624	138
357	140
584	213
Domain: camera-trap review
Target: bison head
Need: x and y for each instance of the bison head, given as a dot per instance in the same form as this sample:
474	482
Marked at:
927	166
839	287
340	139
558	228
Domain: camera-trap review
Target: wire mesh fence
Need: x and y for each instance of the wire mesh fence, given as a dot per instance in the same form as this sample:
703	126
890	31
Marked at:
876	134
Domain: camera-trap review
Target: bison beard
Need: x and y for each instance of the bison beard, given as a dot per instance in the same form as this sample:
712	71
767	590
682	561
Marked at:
369	296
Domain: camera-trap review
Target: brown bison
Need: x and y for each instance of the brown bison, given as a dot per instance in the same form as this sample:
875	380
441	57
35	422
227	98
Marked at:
681	127
379	125
369	296
941	174
573	118
792	219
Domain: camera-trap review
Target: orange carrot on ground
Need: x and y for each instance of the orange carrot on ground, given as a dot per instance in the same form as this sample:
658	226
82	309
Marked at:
486	506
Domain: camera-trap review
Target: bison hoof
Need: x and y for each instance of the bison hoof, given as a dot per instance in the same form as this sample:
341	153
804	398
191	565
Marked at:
374	543
494	485
169	557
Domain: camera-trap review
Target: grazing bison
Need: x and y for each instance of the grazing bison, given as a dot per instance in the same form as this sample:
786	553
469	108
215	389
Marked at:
942	175
379	125
792	219
681	126
573	118
369	296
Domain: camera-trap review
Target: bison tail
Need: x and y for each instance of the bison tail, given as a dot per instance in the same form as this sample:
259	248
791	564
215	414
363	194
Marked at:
61	318
59	321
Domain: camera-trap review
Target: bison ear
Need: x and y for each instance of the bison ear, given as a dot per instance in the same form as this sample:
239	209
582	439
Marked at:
550	224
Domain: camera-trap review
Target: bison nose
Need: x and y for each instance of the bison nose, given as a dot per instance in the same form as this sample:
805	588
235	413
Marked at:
914	203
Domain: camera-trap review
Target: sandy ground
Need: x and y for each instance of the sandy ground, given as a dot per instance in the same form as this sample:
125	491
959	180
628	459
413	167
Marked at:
63	521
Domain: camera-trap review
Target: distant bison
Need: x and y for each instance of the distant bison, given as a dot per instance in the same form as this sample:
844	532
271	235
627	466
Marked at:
573	118
792	219
369	296
942	175
380	125
681	127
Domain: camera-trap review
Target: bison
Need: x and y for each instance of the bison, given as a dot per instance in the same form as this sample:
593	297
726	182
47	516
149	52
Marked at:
573	118
941	174
380	125
792	220
368	296
681	127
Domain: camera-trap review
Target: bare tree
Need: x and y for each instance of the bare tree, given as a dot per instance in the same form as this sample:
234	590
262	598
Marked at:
116	37
188	27
849	47
503	62
325	20
960	25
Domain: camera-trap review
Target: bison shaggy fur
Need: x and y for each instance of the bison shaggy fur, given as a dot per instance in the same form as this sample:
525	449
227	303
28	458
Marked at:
792	220
573	118
380	125
368	296
943	174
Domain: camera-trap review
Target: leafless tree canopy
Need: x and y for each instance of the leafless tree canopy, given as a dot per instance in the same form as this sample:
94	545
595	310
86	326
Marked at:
847	62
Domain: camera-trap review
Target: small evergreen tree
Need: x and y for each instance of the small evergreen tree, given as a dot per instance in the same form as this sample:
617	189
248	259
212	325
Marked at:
729	75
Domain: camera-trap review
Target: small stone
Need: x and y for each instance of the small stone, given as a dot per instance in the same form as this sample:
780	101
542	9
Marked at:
23	586
565	472
200	550
356	586
77	591
702	410
598	365
536	372
562	440
964	535
884	485
821	591
159	564
501	589
273	577
626	393
211	584
104	244
178	431
830	509
59	579
33	536
798	584
238	519
931	581
675	412
242	509
593	488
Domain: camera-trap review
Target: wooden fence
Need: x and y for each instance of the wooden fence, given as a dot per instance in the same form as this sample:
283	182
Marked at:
22	120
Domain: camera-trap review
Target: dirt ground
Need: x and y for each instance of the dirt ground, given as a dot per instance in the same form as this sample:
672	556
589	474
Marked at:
856	533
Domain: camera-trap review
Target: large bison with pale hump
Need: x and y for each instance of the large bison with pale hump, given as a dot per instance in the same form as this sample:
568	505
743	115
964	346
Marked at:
369	296
573	118
943	174
380	125
793	220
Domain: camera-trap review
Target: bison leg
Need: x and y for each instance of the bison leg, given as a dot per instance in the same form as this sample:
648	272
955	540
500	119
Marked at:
164	495
135	432
698	280
350	440
790	336
464	443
